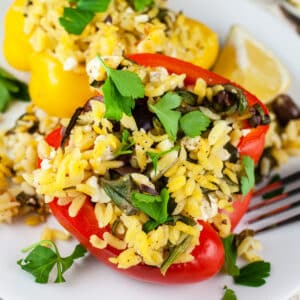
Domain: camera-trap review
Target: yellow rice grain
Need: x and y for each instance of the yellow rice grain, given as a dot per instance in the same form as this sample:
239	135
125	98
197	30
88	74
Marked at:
97	242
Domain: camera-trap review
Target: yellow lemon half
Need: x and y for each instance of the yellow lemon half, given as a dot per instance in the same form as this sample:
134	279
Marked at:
246	61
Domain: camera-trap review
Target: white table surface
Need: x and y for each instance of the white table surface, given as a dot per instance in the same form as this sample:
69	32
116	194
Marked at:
273	6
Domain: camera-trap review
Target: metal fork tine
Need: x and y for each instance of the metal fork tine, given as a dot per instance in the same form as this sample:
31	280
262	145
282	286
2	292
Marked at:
275	199
277	184
275	211
284	222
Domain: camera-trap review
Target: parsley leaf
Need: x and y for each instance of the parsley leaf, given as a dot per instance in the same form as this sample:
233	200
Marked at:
120	90
155	207
42	259
140	5
248	181
156	156
230	256
128	83
193	123
165	113
126	143
253	274
75	20
93	5
11	88
229	294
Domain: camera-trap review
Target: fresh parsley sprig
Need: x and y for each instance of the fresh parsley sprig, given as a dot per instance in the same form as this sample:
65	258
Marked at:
253	274
75	19
164	109
155	206
44	256
248	181
192	123
155	157
11	88
120	90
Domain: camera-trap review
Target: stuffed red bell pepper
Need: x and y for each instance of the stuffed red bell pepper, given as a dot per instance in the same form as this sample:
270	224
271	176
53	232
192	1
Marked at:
151	174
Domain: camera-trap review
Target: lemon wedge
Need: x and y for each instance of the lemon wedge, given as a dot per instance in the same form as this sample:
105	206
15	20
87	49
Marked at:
247	62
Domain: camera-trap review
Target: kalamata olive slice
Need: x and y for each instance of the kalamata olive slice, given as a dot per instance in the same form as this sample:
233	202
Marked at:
285	109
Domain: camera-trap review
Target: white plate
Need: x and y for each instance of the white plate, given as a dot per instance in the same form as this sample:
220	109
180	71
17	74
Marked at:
92	280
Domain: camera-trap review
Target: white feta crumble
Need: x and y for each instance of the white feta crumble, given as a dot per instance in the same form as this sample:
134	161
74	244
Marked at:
45	164
141	19
99	195
70	64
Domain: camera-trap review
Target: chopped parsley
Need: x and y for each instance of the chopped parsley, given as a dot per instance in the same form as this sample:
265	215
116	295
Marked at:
120	90
11	88
248	181
229	294
164	109
44	256
154	206
194	123
140	5
76	18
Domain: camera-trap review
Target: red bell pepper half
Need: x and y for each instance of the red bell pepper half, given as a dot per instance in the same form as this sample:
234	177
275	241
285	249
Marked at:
209	254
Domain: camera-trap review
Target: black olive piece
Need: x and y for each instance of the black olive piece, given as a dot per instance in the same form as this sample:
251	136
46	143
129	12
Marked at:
143	117
234	155
28	200
87	106
285	109
108	19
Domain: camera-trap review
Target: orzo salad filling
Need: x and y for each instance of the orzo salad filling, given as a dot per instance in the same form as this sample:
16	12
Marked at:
166	161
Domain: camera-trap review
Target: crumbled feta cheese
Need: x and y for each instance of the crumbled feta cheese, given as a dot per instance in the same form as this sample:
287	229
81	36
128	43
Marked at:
45	164
70	64
191	144
141	18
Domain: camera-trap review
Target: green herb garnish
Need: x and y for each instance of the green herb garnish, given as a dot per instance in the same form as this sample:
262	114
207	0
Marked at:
155	206
156	156
174	253
248	181
119	192
11	88
126	143
75	19
42	259
229	294
253	274
93	5
194	123
140	5
230	266
120	90
164	109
